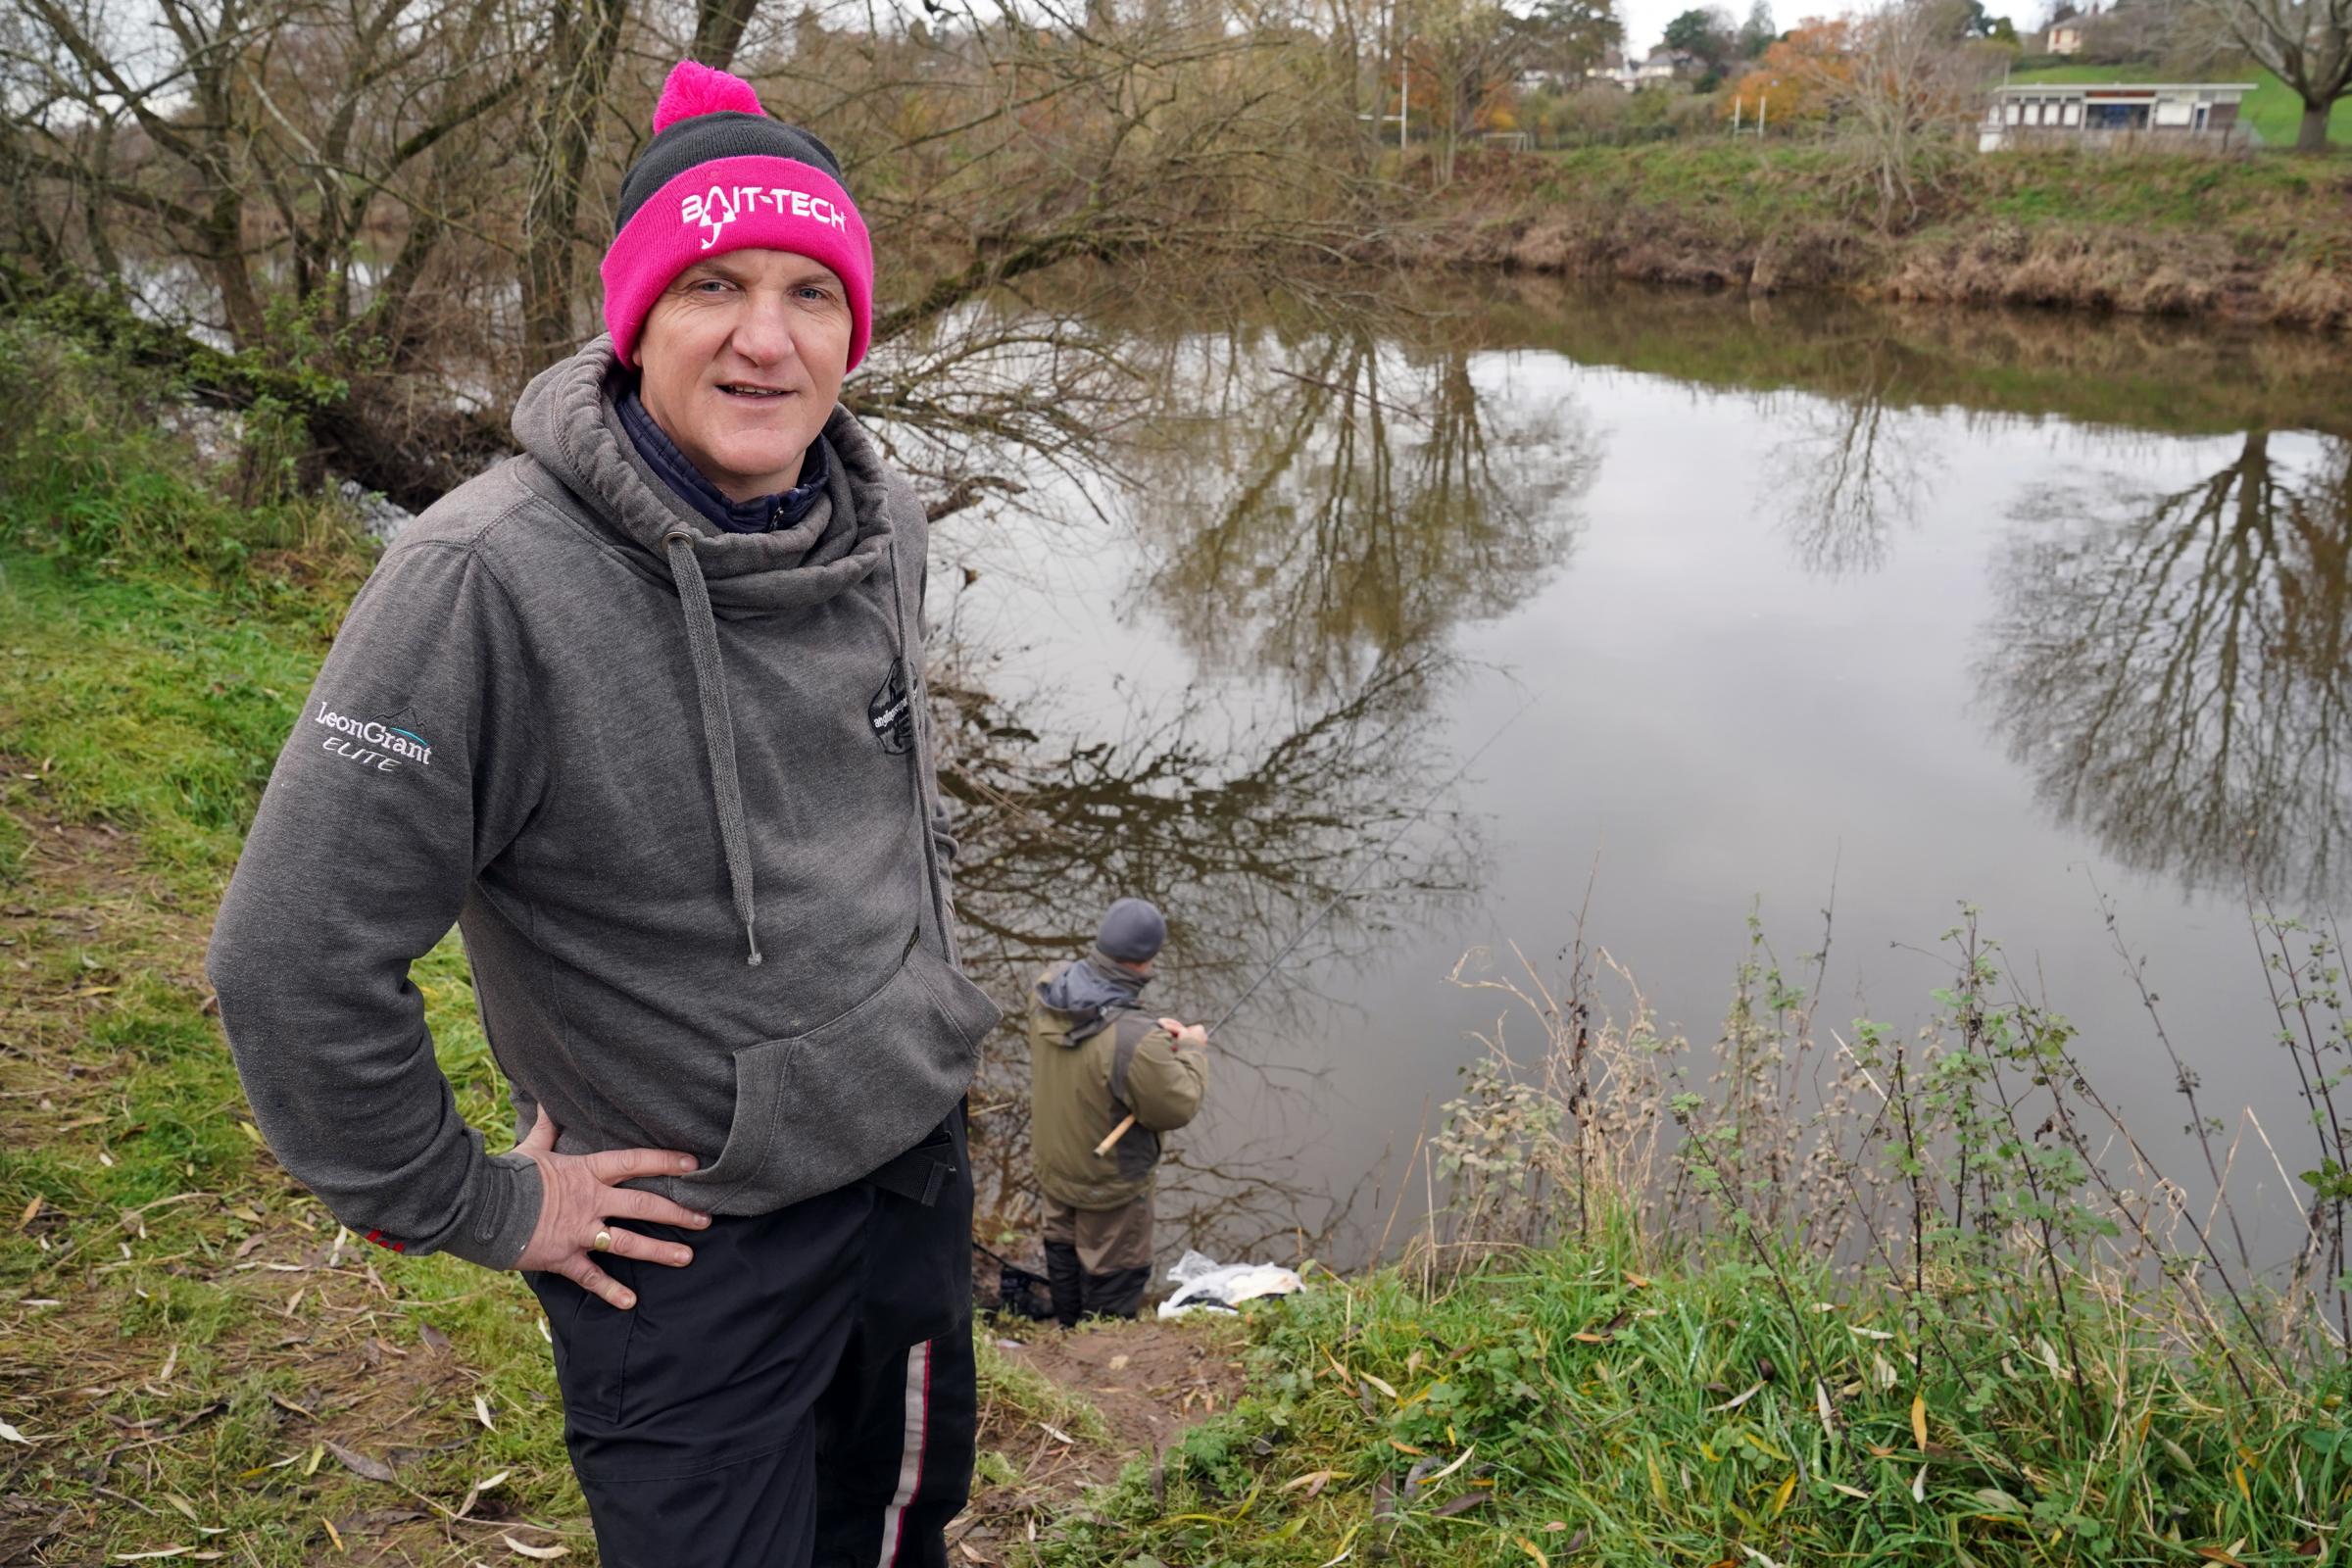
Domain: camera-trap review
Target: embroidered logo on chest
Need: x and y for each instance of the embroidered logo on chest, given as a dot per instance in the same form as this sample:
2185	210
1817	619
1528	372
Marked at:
891	713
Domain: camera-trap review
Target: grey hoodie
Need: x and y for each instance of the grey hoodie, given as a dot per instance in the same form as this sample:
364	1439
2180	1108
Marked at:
673	786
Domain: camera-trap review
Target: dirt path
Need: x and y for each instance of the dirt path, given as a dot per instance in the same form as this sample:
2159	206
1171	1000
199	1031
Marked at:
1147	1380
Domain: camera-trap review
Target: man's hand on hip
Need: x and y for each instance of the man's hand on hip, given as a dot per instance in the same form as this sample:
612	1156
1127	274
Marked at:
578	1196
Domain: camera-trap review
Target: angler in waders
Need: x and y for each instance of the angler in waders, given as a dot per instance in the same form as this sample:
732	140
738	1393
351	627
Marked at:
1105	1079
641	709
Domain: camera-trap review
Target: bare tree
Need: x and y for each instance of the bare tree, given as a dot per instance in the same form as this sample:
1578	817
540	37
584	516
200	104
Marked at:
2307	42
583	39
1899	102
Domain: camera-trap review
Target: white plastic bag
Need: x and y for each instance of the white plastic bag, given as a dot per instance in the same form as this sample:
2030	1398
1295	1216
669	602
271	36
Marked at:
1202	1282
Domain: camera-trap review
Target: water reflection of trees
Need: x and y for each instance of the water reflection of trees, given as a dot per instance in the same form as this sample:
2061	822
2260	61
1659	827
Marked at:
2173	666
1361	503
1327	498
1242	828
1852	475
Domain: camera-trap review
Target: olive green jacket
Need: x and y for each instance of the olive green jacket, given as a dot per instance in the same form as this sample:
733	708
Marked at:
1079	1091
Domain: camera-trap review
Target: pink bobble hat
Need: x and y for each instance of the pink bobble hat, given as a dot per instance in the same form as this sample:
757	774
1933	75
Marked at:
719	176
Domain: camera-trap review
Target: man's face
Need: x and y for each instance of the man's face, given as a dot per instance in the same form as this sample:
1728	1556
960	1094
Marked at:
742	360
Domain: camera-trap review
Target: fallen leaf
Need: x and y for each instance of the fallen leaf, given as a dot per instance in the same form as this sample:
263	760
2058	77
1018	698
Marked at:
2218	1554
542	1553
333	1534
1535	1552
435	1338
1313	1481
1057	1435
1378	1383
1919	1418
473	1493
1737	1399
145	1556
1918	1486
1463	1459
12	1435
32	1211
359	1464
1403	1446
1461	1505
482	1408
2000	1502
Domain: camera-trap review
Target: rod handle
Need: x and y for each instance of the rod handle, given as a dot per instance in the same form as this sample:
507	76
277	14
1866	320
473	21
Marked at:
1116	1133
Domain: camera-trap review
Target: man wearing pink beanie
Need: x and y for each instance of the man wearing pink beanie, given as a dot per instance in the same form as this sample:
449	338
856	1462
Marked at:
642	710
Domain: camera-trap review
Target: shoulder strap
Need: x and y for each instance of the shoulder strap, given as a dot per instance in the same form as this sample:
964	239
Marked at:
1125	1040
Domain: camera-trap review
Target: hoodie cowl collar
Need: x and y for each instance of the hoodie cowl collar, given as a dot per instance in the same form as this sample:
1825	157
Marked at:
566	420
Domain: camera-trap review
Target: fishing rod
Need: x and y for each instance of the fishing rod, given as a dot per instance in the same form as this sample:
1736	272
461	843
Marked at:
1331	908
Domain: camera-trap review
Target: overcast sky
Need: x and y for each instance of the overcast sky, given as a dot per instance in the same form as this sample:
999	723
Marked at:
1646	21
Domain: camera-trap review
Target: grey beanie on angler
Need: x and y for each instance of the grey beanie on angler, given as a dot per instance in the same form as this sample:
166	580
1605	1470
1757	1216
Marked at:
1133	931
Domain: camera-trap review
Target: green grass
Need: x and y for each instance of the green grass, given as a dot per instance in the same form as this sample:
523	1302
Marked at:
1787	184
209	1334
1603	1414
2272	107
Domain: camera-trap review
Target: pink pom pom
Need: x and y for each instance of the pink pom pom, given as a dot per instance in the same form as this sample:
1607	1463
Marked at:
694	88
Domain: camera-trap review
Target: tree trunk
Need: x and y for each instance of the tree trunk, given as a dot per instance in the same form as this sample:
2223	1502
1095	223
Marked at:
2313	136
718	27
586	37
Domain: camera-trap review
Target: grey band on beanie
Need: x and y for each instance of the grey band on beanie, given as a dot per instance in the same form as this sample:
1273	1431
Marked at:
1132	931
701	138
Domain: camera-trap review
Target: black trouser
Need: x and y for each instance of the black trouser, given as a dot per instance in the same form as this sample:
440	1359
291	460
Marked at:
801	1394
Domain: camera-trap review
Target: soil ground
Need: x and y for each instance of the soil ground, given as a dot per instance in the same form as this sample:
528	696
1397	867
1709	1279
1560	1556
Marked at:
1147	1380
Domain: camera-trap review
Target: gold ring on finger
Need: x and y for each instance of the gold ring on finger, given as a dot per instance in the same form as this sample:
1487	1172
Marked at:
602	1241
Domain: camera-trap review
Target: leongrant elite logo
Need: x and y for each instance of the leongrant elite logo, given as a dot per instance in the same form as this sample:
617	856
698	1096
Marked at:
375	743
721	205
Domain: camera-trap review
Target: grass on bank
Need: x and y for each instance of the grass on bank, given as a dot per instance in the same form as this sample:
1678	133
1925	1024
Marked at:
2297	205
199	1359
2272	107
1569	1406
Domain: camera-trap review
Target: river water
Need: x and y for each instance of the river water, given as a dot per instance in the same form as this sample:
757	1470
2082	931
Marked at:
1625	614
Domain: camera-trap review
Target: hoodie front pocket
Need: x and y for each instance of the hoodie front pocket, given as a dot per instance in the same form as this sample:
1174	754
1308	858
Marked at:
818	1111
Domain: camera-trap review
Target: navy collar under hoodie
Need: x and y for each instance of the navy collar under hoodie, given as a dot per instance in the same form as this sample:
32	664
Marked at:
759	515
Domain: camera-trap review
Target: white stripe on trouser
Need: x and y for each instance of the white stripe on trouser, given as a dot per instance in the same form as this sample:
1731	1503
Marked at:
910	1455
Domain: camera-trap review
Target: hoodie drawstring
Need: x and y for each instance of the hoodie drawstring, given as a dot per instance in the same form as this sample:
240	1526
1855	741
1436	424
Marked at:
718	729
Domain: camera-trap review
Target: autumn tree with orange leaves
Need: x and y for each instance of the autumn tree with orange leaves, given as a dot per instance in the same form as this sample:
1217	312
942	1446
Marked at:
1791	83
